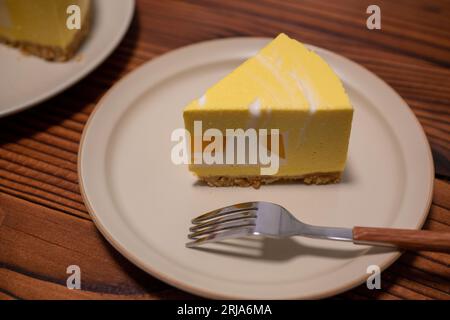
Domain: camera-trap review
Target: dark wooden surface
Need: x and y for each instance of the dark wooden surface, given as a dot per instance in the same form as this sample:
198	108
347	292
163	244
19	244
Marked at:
44	225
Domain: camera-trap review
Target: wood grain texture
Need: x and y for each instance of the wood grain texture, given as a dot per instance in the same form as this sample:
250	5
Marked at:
44	225
414	240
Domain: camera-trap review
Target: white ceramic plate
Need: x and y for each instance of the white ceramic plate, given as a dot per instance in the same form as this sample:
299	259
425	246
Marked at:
143	203
28	80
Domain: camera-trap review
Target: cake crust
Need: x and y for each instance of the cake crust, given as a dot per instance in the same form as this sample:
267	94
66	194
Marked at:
54	53
257	181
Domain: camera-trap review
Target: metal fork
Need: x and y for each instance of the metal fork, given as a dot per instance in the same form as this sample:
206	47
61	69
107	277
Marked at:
272	220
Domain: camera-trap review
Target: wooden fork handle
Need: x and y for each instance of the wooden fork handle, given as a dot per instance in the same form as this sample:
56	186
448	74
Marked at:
403	238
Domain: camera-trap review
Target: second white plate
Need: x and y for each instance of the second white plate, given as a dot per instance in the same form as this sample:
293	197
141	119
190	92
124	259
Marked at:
143	203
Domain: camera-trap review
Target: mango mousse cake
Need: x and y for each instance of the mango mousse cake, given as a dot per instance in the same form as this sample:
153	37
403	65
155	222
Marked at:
39	27
285	87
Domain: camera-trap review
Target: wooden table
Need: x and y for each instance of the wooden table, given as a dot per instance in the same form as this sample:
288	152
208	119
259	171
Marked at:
44	225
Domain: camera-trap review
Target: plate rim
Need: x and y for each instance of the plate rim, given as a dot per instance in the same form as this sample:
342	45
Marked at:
83	72
393	256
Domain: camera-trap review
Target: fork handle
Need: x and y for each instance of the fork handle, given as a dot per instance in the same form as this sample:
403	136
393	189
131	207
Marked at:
403	238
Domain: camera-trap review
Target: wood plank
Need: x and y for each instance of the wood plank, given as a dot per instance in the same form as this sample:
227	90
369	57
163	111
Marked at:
43	201
439	214
432	266
441	195
422	277
6	296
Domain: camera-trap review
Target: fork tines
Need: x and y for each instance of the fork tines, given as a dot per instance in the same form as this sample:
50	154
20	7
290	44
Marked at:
228	222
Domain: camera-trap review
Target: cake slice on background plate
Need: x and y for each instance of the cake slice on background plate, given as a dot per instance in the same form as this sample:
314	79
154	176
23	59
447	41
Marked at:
39	27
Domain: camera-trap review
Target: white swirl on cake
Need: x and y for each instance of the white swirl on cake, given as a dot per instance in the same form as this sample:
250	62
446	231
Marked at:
305	88
202	100
255	107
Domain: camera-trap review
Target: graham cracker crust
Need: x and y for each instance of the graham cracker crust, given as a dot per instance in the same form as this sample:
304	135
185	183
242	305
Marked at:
257	181
53	53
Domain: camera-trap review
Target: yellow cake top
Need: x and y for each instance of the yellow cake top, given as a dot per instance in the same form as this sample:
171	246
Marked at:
283	75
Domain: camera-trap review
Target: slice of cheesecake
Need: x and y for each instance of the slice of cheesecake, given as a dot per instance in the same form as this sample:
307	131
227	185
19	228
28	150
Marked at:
38	27
285	88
